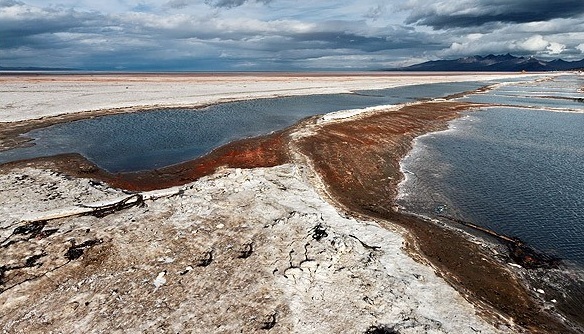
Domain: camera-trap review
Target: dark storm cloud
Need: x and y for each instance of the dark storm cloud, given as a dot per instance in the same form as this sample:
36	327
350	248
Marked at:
328	36
354	41
249	34
139	40
232	3
19	28
446	14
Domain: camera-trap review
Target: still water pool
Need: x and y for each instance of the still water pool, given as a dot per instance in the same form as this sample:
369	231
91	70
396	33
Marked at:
154	139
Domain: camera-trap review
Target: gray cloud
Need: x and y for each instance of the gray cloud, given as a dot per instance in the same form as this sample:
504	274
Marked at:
20	24
375	12
467	13
10	3
197	37
177	4
390	40
232	3
68	38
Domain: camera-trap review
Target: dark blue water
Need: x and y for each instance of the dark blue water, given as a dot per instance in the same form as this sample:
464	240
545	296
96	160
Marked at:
154	139
517	171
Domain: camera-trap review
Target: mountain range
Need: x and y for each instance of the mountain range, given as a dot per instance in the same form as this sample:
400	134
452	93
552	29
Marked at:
490	63
495	63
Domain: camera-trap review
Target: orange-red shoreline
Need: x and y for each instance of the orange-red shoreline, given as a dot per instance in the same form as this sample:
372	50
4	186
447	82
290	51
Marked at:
364	182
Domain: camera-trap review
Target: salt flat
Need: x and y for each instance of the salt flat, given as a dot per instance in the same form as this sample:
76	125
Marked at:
25	97
267	259
242	250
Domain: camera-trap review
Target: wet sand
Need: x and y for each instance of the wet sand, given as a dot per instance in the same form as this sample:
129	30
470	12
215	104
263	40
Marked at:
356	161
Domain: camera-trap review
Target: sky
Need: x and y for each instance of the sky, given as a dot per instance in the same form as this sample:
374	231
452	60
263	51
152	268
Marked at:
281	35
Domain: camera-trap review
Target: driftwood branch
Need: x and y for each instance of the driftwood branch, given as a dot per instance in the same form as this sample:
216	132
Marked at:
480	228
366	246
109	208
519	252
101	209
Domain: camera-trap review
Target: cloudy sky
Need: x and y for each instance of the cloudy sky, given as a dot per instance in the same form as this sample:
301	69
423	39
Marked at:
252	35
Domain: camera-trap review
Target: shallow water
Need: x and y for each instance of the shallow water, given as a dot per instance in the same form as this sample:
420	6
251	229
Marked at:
517	171
561	93
154	139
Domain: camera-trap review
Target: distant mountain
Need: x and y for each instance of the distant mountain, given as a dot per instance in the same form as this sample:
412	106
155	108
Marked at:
495	63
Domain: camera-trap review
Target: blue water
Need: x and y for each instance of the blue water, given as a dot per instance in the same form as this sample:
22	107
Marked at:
517	171
558	94
154	139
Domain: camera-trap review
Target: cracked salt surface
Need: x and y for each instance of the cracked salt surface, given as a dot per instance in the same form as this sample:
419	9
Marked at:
263	268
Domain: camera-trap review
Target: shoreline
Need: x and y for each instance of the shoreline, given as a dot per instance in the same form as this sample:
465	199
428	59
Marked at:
28	98
355	180
323	147
32	102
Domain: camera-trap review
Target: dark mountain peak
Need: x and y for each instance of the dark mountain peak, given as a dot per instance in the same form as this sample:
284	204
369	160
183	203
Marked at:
496	63
491	56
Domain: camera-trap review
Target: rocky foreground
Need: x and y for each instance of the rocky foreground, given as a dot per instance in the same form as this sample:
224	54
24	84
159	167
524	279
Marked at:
241	251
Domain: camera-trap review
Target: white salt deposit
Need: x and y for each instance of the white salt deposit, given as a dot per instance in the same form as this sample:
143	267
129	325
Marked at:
26	97
333	284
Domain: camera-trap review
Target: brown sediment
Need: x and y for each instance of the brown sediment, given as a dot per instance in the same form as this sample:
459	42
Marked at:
265	151
358	160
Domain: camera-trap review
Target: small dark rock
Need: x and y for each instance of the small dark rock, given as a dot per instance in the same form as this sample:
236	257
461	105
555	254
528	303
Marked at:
381	330
271	322
32	261
319	232
244	254
46	233
206	261
75	251
3	270
33	228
